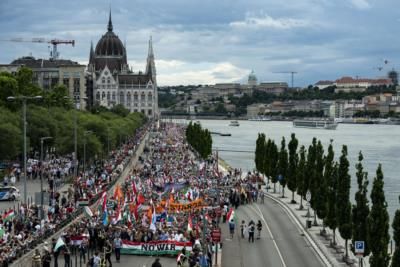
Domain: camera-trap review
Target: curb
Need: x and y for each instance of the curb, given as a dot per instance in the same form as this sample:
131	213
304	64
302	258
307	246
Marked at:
310	239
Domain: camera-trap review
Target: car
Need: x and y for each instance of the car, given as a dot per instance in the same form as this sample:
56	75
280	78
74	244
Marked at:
9	193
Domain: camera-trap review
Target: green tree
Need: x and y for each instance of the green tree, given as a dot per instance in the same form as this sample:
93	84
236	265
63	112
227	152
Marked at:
274	158
343	207
10	138
320	185
327	180
260	153
396	237
120	110
331	217
301	187
309	176
283	165
293	163
8	87
361	208
378	223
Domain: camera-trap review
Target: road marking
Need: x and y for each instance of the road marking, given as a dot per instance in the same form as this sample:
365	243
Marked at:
270	233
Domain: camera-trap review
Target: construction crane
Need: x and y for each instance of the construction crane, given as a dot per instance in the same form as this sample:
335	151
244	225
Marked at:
53	53
292	75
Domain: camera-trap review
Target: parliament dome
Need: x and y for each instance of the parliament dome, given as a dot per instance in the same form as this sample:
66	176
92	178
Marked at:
109	45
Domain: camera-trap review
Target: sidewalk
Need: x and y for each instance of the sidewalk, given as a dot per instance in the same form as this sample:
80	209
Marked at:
321	244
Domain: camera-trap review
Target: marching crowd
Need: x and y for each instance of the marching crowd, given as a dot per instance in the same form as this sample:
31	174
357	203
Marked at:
23	227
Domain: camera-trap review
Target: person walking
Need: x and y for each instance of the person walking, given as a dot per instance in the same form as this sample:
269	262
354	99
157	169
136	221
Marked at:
67	257
251	230
156	263
232	228
36	259
117	247
108	252
96	260
262	196
242	228
46	259
259	228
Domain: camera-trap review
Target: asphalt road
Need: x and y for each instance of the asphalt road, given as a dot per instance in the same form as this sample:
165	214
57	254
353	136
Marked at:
281	242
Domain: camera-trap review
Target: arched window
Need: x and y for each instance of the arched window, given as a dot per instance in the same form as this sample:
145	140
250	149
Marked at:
135	97
128	99
113	96
98	96
103	80
142	97
103	95
121	98
108	80
150	97
108	96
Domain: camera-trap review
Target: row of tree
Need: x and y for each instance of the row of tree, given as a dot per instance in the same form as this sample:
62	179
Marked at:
328	181
54	116
200	139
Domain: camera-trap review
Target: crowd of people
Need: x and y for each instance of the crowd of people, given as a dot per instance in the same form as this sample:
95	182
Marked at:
170	196
23	227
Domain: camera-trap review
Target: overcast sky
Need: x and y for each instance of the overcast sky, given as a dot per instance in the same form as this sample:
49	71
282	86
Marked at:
210	41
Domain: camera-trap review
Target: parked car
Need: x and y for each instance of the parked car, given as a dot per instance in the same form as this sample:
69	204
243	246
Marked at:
9	193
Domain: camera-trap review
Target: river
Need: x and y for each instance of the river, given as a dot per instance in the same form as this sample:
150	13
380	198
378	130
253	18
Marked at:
378	143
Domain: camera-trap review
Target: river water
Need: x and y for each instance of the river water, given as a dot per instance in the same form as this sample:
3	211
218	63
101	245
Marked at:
378	143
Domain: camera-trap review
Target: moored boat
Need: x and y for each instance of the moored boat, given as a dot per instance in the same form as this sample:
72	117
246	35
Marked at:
315	123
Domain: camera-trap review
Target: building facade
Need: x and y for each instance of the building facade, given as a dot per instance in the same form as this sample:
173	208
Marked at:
48	73
113	83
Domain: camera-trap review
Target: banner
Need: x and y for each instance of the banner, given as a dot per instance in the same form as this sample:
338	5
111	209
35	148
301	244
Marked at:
184	207
154	247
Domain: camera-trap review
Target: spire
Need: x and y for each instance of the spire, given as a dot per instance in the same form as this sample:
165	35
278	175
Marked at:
110	26
151	53
91	53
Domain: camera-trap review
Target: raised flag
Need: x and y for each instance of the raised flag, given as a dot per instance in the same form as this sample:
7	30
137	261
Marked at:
230	215
9	215
60	243
190	224
88	212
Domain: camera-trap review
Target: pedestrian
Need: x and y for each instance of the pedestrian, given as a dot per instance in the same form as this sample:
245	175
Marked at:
117	247
262	196
108	252
156	263
231	228
96	259
36	259
67	257
242	228
56	252
46	259
251	230
82	249
259	228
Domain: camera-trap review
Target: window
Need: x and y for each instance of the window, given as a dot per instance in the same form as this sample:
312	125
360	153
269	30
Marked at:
103	80
113	96
135	110
103	95
149	112
142	97
108	80
150	97
121	98
108	96
135	96
128	99
98	96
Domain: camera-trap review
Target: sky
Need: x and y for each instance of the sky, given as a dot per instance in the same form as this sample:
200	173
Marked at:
214	41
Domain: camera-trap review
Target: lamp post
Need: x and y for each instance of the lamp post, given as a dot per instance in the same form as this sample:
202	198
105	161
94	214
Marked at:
84	150
24	99
41	175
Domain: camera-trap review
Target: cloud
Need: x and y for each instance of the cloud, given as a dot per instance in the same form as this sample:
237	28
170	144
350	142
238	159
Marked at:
266	21
360	4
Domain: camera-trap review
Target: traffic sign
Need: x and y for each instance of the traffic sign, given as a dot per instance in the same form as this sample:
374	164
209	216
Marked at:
216	235
308	196
359	247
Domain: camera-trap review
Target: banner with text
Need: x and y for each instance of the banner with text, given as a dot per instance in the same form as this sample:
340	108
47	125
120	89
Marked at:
154	247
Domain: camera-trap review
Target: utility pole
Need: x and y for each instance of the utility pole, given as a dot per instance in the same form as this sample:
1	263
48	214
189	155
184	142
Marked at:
41	175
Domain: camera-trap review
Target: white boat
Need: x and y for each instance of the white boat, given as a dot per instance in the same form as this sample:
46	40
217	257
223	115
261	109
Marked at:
234	123
317	123
261	118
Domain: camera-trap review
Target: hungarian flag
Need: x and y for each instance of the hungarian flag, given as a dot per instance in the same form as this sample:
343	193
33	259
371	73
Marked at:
88	212
190	224
230	215
134	187
104	201
140	199
9	215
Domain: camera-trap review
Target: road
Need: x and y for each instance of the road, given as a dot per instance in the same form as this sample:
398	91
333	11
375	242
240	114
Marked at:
281	242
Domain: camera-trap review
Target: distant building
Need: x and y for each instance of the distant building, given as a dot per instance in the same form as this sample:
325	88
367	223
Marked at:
275	88
349	84
114	83
255	110
323	84
48	73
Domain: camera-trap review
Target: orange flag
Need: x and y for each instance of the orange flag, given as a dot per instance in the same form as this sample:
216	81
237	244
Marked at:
118	195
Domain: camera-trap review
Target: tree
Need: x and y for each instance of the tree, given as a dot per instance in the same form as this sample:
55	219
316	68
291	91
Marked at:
327	180
360	210
120	110
343	207
260	153
293	162
309	174
331	219
10	139
396	237
378	223
274	157
283	165
267	160
320	185
301	188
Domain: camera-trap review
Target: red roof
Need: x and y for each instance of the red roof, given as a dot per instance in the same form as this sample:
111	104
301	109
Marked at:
346	79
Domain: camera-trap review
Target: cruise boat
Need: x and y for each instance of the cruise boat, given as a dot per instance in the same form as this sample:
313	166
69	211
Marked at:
317	123
234	123
261	118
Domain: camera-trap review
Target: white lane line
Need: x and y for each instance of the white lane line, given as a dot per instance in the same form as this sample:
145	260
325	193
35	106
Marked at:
270	233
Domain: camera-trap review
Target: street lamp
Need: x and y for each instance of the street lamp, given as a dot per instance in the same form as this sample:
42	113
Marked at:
41	175
84	150
24	99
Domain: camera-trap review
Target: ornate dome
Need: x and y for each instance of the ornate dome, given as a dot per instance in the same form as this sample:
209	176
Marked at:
110	44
